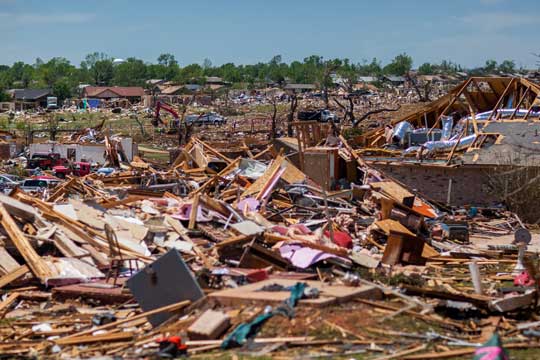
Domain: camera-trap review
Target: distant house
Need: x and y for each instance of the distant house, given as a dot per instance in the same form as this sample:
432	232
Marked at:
154	82
215	80
394	80
172	90
435	79
131	93
299	88
367	79
30	98
193	87
179	89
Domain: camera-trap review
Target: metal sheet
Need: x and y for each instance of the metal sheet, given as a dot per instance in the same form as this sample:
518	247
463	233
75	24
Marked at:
166	281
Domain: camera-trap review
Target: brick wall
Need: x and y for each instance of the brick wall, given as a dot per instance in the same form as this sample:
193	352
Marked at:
469	183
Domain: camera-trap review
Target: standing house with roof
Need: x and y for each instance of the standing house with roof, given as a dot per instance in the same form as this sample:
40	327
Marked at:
30	98
131	93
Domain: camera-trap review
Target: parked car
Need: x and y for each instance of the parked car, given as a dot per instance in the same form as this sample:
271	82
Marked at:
206	119
39	183
8	182
323	115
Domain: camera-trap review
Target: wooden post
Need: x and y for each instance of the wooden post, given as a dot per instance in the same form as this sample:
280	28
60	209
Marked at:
193	213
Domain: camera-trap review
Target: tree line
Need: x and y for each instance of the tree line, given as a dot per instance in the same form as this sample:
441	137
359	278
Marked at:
63	77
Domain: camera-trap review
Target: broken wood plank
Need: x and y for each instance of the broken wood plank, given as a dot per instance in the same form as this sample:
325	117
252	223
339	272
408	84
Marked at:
14	275
119	336
4	305
193	213
167	308
38	266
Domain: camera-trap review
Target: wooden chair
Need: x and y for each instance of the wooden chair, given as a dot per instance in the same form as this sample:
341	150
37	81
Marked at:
116	260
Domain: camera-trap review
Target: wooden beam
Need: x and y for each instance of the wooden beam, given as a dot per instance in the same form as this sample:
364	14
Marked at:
520	102
193	213
167	308
470	101
452	101
38	266
499	102
4	305
14	275
119	336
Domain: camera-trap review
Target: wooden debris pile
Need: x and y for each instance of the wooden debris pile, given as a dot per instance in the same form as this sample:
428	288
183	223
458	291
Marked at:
109	264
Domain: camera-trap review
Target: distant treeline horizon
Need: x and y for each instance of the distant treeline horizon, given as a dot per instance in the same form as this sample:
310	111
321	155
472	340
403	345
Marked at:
100	69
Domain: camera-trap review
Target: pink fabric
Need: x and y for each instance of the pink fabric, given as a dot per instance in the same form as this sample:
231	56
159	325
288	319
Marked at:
303	257
491	353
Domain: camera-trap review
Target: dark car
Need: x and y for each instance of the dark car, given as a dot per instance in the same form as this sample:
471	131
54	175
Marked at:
205	119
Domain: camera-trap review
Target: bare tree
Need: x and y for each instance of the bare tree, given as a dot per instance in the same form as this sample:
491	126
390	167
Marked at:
326	80
184	129
422	96
292	109
273	101
347	84
373	112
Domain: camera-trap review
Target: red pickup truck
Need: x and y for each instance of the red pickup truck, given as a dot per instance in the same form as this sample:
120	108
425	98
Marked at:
45	161
77	169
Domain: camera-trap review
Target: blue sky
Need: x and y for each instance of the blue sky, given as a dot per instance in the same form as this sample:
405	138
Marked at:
248	31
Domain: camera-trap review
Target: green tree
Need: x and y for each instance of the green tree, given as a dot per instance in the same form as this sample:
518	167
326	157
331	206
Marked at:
130	73
62	89
401	65
490	66
99	68
370	69
507	67
426	69
52	71
191	74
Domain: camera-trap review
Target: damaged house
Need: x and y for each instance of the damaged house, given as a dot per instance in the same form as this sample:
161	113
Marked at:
458	149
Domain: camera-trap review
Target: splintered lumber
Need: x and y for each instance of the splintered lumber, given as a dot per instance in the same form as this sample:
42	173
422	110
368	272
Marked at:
60	190
222	173
291	175
400	354
182	231
4	305
213	151
293	339
167	308
88	234
120	336
234	240
38	266
7	262
18	209
193	213
467	351
14	275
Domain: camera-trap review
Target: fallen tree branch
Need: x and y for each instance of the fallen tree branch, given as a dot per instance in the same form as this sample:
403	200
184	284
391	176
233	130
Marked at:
373	112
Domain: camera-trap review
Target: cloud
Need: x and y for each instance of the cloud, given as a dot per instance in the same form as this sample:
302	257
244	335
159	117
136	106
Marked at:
498	20
60	18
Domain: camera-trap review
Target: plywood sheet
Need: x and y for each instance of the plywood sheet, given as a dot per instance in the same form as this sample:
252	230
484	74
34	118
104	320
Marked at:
392	225
329	294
